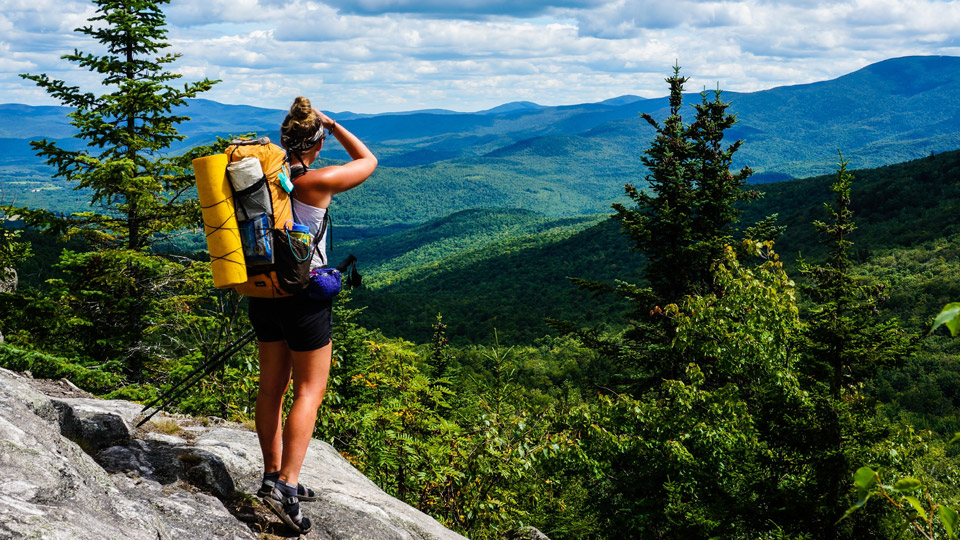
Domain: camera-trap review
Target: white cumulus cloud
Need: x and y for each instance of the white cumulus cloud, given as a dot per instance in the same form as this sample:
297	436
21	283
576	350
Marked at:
374	55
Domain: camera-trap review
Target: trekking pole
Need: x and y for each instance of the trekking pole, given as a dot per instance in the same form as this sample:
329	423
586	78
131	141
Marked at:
228	350
196	375
342	267
187	382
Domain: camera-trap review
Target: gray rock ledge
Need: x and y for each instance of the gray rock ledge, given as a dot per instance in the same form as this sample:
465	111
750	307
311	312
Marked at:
76	468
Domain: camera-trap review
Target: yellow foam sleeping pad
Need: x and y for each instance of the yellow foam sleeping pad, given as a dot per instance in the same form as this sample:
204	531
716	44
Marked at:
220	221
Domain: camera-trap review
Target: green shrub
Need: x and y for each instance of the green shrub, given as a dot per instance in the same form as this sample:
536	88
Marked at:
45	366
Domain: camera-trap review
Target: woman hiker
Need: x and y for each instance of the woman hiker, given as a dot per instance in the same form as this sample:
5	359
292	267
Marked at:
293	333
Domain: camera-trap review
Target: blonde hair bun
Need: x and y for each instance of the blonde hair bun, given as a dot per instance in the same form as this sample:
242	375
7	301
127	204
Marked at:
301	108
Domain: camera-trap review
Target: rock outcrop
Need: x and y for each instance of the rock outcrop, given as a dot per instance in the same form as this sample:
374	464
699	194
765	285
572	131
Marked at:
528	533
8	280
74	467
8	283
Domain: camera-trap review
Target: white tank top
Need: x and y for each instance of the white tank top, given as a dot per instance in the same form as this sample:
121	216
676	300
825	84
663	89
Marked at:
312	217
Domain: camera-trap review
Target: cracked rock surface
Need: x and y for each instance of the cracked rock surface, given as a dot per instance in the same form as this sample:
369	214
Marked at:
75	468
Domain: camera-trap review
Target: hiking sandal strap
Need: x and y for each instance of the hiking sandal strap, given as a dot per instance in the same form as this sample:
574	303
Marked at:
289	502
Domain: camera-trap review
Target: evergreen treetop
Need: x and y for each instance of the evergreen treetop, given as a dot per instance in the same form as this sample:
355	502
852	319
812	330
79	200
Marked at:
846	341
685	216
138	194
681	223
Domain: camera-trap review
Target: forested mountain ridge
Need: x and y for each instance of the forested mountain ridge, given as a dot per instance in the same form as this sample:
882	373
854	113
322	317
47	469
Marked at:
510	286
901	101
568	160
467	230
895	207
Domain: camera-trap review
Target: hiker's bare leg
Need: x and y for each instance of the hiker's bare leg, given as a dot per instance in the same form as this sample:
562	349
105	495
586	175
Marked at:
310	372
275	368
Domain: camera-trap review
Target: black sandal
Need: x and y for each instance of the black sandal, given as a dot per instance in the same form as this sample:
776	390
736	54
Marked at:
304	493
288	510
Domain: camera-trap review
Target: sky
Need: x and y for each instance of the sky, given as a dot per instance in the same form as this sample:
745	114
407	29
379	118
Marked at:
373	56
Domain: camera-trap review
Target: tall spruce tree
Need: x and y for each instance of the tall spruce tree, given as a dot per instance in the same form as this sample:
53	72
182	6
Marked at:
686	216
846	339
700	432
137	193
680	223
118	305
844	342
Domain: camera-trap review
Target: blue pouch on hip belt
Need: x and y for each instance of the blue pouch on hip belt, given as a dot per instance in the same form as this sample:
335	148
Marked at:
327	282
324	283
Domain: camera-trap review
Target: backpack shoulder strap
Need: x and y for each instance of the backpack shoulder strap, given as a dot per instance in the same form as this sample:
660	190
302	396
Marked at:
319	237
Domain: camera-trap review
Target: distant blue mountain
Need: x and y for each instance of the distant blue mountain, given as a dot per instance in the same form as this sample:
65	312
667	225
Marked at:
351	115
565	160
888	112
622	100
513	107
26	122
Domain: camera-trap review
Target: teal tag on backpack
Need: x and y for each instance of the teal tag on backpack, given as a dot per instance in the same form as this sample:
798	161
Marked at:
285	182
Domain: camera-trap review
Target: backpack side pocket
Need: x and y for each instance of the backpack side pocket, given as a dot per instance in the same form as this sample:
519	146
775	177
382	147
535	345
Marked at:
292	262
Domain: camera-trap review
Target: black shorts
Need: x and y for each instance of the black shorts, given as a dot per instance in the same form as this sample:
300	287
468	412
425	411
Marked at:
304	323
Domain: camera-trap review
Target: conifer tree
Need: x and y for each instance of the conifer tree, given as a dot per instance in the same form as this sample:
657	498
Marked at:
846	340
138	194
681	224
843	345
684	219
718	189
661	224
120	306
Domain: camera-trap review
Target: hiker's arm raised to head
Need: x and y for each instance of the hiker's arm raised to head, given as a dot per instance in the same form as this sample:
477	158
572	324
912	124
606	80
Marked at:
339	178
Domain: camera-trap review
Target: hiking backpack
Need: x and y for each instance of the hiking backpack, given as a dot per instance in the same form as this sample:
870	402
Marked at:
277	260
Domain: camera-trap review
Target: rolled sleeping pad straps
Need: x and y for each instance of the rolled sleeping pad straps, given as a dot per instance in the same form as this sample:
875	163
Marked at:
220	221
